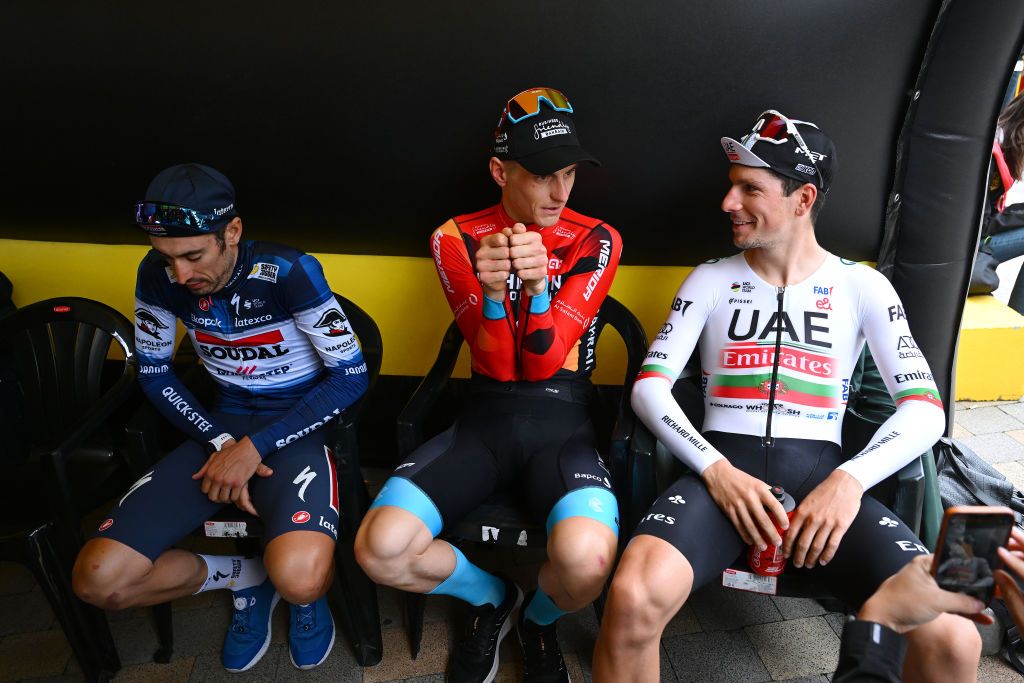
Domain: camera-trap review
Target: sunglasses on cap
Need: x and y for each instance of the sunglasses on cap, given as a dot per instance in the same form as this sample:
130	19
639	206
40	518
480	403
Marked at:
773	127
527	104
180	217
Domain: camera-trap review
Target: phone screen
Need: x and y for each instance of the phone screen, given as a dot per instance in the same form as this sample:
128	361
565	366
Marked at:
968	557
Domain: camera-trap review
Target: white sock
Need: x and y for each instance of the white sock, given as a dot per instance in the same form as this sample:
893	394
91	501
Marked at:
233	572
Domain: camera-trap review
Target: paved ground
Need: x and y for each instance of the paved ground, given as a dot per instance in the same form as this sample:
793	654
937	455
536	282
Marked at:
719	635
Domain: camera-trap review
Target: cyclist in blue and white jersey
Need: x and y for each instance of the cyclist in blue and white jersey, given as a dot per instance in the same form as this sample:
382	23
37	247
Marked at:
286	362
779	327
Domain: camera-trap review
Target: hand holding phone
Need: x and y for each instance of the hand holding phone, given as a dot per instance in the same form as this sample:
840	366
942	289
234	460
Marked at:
968	551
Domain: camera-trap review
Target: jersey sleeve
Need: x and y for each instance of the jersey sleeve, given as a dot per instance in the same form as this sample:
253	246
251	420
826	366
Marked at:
550	327
154	345
652	392
485	324
920	417
318	315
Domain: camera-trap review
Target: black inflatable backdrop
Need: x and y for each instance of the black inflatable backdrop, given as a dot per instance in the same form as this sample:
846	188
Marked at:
357	127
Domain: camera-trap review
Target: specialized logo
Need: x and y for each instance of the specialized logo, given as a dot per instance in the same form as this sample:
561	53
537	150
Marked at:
896	313
218	575
144	479
264	271
149	323
205	303
334	320
676	500
300	517
248	304
886	521
303	480
255	347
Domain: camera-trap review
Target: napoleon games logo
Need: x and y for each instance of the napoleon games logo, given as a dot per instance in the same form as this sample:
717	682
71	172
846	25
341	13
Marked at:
149	323
334	320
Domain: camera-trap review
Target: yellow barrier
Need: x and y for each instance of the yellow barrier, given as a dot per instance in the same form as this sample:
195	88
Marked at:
987	367
401	293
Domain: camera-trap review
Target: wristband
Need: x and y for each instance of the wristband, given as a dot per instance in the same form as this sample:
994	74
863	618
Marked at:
217	443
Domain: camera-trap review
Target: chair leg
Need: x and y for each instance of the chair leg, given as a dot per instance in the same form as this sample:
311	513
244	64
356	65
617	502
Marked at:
88	634
360	614
415	604
163	617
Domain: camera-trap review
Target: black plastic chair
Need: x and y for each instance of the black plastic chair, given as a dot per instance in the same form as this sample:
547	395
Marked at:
653	468
354	595
71	464
498	521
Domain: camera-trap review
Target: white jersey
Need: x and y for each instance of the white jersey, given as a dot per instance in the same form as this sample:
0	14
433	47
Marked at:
776	362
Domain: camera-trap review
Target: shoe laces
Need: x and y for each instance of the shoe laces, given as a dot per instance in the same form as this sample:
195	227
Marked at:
305	617
240	616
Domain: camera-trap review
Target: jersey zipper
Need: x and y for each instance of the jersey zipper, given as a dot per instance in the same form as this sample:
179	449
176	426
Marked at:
768	441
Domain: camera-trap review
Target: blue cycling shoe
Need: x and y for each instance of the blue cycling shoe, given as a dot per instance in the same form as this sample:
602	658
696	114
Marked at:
249	636
310	634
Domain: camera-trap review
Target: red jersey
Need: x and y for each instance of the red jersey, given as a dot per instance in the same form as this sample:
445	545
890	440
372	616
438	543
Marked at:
525	337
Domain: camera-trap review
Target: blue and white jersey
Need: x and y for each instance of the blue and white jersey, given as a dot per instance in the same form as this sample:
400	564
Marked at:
274	338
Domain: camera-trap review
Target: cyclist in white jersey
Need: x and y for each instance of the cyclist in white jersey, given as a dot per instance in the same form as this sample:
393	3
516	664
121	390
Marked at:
779	328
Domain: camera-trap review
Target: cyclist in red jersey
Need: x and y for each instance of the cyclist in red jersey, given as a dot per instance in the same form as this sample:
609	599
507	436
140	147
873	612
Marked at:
525	280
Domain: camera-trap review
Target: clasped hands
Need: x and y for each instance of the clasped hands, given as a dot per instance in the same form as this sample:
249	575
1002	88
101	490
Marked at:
513	250
817	525
227	472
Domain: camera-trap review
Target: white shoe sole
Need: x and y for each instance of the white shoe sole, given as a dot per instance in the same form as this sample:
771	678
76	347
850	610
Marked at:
266	643
505	628
330	646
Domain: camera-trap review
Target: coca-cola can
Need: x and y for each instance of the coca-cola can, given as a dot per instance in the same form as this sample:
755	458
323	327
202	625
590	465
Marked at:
771	561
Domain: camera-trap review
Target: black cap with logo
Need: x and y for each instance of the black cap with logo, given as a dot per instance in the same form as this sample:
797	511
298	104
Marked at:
771	144
543	142
186	200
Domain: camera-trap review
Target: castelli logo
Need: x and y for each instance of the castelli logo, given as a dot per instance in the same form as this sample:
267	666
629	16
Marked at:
205	303
107	524
300	517
61	309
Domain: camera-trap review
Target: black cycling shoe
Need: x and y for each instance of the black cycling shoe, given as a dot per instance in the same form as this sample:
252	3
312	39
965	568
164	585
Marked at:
475	658
542	658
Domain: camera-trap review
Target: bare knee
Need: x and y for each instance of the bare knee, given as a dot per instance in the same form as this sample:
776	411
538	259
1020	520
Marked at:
104	569
652	583
300	565
583	558
386	545
948	648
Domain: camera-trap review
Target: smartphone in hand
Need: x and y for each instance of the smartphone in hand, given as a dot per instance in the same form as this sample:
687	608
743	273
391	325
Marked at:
965	557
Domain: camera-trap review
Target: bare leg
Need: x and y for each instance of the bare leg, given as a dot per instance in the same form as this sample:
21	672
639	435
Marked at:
651	584
395	548
580	556
111	575
947	649
300	565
